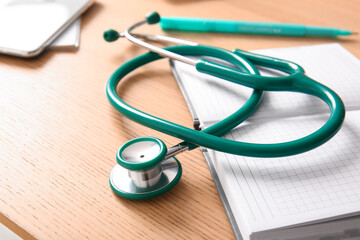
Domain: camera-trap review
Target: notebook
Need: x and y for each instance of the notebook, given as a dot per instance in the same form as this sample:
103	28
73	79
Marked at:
314	195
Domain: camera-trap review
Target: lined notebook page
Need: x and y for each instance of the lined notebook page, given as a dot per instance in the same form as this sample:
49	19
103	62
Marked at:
319	185
329	64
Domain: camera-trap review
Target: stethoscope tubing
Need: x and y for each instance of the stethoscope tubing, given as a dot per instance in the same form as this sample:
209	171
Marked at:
298	83
217	129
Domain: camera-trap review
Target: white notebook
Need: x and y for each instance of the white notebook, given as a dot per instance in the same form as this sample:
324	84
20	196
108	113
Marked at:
313	195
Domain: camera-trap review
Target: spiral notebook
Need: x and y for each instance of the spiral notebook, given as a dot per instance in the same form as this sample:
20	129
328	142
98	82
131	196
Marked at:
314	195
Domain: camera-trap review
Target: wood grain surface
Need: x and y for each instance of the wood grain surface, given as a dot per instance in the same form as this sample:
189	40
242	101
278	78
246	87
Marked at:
59	134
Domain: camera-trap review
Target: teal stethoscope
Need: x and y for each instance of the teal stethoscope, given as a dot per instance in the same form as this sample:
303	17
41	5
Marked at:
146	168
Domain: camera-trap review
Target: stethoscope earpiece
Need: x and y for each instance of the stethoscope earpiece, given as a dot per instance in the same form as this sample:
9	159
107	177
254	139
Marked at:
152	18
143	171
111	35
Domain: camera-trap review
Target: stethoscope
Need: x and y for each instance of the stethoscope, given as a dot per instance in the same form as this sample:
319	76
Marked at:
146	168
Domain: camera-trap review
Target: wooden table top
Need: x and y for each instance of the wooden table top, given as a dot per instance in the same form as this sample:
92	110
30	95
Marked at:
59	134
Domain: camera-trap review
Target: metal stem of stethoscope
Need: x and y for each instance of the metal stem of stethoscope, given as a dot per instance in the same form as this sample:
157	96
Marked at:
162	52
161	38
174	150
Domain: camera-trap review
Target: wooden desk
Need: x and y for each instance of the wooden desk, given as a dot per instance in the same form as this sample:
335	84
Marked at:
59	134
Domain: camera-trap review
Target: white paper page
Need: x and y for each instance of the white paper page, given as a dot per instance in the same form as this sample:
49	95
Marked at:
69	39
277	192
327	178
329	64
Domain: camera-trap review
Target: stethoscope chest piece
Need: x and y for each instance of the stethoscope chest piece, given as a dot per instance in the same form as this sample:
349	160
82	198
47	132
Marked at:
142	171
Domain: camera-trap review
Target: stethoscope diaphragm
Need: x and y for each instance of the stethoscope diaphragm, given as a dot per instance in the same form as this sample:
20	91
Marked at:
142	171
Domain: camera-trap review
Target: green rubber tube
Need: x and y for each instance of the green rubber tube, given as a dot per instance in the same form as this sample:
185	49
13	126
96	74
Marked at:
217	129
295	82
